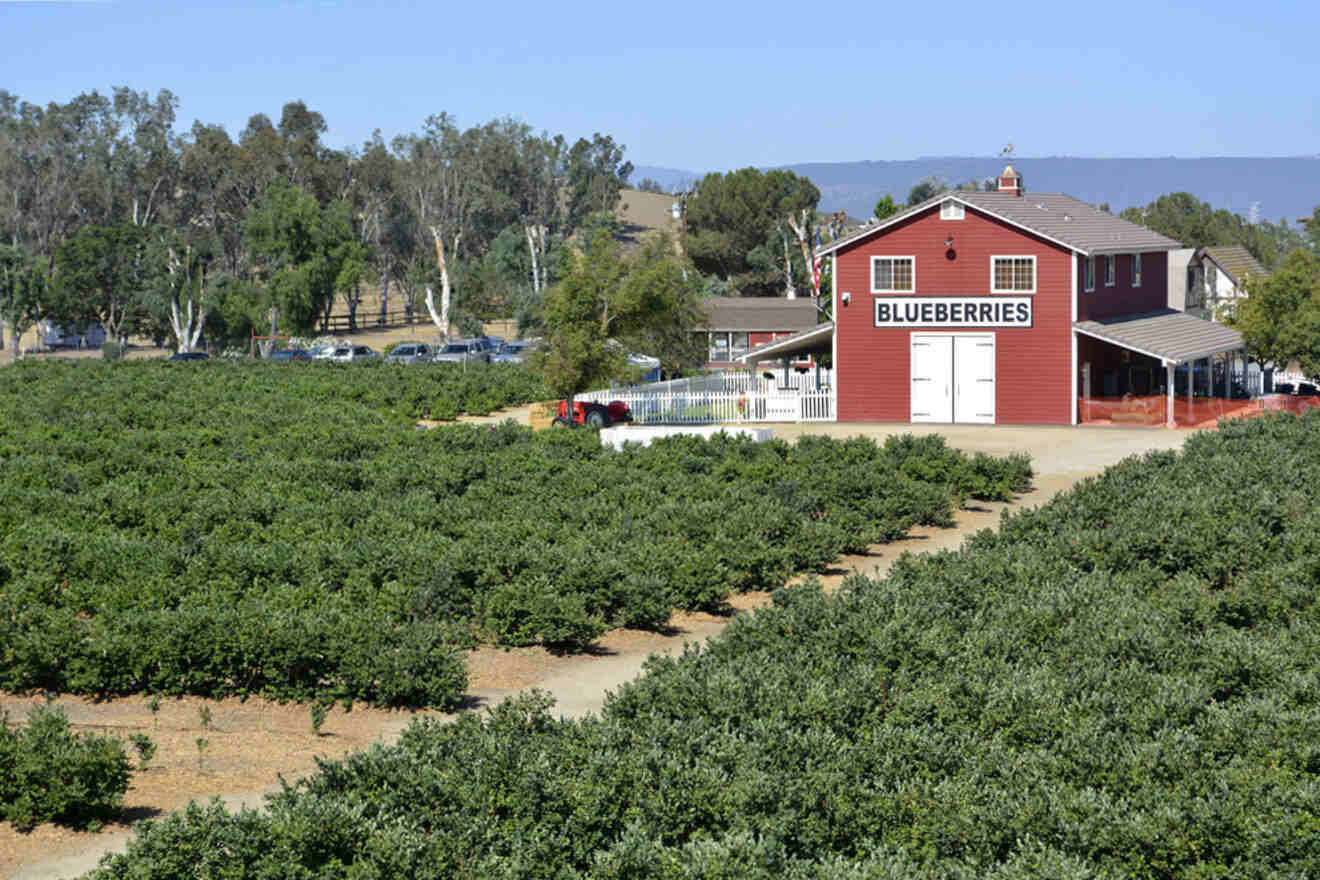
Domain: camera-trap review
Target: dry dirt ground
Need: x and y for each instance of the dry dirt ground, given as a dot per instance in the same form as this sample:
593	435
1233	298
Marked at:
249	745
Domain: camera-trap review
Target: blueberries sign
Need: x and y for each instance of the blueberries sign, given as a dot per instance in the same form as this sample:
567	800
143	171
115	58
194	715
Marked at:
953	311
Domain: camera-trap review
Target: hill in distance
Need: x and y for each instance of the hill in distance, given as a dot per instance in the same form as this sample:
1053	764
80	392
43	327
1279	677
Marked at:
1282	187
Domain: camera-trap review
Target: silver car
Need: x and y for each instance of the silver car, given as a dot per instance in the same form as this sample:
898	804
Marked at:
515	352
464	351
410	353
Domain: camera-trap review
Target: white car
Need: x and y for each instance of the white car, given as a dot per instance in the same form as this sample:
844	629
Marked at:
353	353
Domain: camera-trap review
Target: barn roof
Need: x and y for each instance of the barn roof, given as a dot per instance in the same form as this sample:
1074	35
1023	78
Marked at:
1061	219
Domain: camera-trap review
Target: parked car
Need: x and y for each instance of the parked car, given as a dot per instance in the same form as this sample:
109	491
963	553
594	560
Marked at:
464	350
323	353
515	352
190	356
354	353
410	353
291	354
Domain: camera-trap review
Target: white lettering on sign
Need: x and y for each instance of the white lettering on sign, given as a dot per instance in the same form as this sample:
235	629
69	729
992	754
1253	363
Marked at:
953	311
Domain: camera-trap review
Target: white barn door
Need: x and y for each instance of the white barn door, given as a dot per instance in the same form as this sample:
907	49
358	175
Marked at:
974	379
932	378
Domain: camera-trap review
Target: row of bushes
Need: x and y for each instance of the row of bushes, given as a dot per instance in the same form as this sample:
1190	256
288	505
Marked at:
213	532
48	773
1122	683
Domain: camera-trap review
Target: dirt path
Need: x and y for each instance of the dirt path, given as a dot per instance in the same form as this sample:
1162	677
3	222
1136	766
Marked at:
249	744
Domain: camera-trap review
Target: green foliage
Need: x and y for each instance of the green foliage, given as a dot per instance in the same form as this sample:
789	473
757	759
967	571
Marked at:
886	208
319	710
1185	218
102	275
1280	318
1122	683
23	284
112	351
607	304
50	774
146	749
734	225
925	189
308	253
240	529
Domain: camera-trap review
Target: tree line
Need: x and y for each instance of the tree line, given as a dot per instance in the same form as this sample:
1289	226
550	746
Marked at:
108	215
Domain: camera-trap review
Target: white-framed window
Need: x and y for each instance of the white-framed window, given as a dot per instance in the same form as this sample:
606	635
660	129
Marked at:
893	274
719	347
1111	270
951	210
1088	274
1136	270
1013	274
738	345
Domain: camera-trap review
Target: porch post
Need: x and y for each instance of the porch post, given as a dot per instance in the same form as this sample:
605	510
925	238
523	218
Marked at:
1191	390
1168	393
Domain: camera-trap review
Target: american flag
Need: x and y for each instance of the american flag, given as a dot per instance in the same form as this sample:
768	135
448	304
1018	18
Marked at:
815	268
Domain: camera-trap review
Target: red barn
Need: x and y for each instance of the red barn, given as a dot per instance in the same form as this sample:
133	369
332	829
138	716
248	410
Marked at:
1001	307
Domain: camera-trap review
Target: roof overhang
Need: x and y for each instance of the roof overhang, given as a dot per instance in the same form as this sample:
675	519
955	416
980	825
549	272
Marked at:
934	201
814	341
1171	336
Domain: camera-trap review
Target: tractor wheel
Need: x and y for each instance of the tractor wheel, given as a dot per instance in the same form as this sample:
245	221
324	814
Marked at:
598	417
560	422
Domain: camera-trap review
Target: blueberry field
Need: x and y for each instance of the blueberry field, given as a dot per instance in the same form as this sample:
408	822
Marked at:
218	529
1122	683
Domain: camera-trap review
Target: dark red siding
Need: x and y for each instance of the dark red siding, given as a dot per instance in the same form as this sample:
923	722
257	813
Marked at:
1123	298
1033	366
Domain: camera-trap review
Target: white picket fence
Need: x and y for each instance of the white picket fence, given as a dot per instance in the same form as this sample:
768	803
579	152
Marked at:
701	407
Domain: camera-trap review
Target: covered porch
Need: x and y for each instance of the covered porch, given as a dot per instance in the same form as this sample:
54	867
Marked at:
1162	368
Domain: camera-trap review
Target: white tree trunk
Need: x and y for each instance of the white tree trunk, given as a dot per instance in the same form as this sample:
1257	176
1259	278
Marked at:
535	243
802	229
788	268
442	319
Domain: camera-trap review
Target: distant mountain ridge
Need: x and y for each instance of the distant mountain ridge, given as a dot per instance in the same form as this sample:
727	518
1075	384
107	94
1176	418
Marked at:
1284	187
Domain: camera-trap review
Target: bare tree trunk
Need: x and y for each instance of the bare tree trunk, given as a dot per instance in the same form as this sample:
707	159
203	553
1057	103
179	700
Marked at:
802	229
353	299
442	319
384	291
788	268
536	246
14	338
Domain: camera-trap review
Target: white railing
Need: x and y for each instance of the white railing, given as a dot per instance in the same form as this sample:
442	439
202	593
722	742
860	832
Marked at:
741	380
710	407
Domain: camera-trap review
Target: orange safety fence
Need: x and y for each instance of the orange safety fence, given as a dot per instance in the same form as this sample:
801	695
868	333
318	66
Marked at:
1200	412
1126	410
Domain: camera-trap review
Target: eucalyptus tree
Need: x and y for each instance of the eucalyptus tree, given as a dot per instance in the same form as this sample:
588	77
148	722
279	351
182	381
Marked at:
178	293
144	159
441	182
101	275
306	254
210	196
596	173
382	213
23	284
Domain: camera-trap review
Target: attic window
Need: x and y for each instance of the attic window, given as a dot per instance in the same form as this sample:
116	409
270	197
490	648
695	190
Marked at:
951	210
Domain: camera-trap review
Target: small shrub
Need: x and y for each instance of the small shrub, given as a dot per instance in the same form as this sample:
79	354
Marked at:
48	773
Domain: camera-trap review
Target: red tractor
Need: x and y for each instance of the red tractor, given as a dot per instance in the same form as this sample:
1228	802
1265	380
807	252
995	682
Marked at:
597	415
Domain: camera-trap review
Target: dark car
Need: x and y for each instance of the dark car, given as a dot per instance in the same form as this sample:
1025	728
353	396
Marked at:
190	356
291	354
